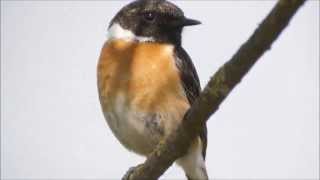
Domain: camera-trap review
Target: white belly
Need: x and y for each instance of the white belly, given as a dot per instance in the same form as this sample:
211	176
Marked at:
136	130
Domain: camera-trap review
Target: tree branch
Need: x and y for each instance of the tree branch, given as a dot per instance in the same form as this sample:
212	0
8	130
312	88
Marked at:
218	88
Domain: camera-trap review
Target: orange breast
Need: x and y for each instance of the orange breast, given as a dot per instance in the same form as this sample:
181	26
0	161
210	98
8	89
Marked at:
144	72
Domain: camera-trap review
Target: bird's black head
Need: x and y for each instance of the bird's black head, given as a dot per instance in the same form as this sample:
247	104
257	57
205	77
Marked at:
156	20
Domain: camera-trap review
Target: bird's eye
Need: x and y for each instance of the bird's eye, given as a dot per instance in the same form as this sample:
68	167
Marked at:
149	16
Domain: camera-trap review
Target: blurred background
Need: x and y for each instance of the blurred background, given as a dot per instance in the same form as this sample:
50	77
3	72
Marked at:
52	125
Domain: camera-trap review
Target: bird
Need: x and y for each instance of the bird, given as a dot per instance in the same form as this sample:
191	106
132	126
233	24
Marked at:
147	81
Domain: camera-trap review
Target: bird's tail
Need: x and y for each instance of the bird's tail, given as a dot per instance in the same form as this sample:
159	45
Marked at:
193	162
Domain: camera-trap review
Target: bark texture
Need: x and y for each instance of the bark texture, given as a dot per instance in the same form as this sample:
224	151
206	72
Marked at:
218	88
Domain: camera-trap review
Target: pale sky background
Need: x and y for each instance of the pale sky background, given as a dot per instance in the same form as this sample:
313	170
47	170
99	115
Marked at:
52	125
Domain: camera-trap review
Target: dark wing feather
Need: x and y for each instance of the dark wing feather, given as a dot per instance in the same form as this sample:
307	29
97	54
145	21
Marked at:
191	85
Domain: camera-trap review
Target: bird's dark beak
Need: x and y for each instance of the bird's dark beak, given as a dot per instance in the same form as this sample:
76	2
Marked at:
183	21
190	22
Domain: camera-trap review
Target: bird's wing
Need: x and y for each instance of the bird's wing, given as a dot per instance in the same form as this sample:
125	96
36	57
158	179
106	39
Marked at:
191	85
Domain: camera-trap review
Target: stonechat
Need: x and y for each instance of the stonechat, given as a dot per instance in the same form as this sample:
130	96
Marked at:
147	81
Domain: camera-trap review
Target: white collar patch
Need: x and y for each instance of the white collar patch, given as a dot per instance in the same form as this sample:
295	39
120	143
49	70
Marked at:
118	32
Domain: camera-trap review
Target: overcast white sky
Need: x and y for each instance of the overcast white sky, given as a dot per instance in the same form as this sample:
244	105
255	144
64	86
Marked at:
52	125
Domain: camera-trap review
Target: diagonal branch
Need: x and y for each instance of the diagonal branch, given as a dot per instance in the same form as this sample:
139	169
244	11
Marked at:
218	88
